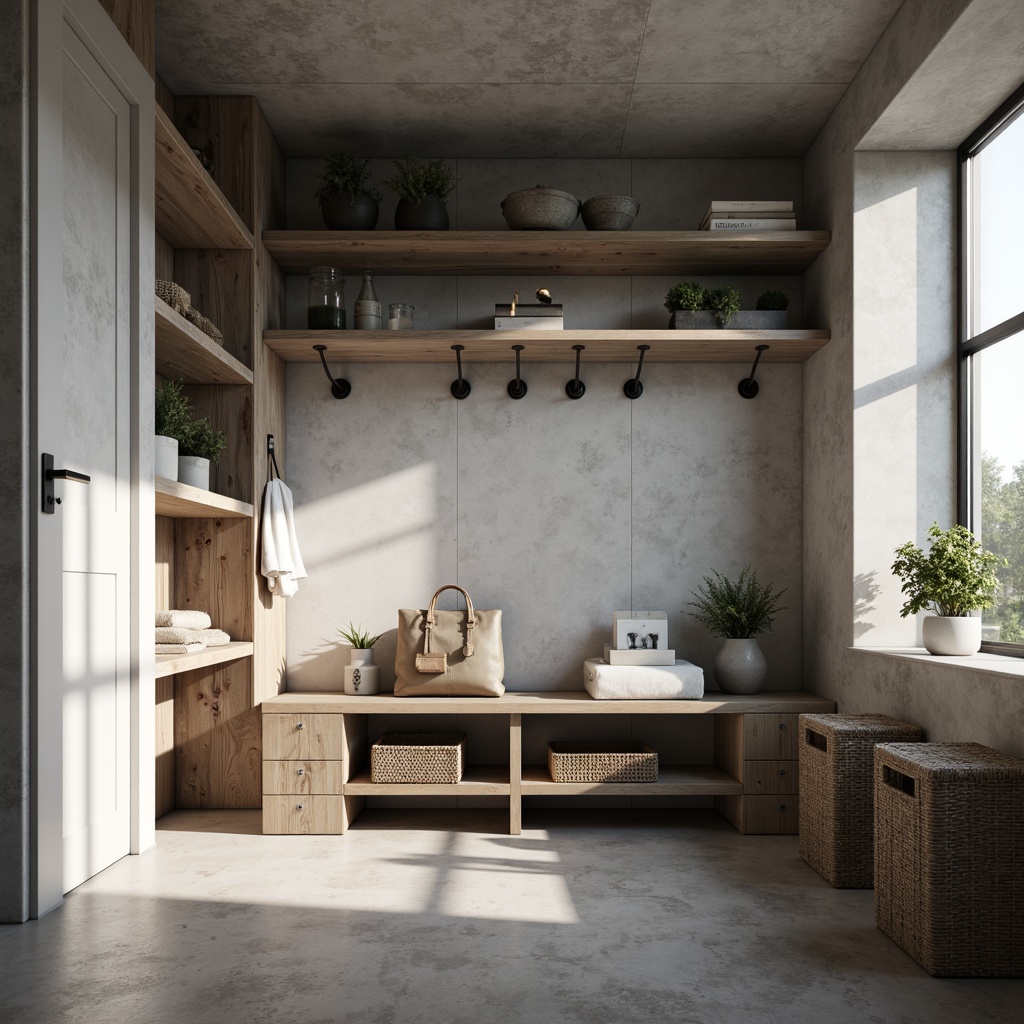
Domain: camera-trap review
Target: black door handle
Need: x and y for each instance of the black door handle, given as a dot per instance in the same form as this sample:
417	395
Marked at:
68	474
50	474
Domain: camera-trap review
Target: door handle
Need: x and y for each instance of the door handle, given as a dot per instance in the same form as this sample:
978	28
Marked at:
50	474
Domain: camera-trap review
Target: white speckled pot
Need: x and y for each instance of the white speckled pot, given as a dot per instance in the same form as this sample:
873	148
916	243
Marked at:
361	675
740	666
165	457
952	635
194	471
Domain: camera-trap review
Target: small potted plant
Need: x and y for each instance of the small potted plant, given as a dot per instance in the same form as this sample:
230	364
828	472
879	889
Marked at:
696	308
771	306
346	201
199	445
172	420
739	611
361	675
955	578
422	191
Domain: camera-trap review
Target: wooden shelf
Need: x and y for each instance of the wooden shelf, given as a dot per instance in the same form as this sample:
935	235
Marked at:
183	352
477	781
674	780
171	664
544	253
490	346
183	502
191	211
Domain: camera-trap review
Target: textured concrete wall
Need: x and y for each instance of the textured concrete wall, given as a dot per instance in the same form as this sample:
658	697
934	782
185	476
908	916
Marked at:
558	512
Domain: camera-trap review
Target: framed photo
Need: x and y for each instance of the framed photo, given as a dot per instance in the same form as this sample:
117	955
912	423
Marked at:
640	631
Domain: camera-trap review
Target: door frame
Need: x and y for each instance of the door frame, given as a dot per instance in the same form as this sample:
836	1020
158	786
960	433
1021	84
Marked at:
98	33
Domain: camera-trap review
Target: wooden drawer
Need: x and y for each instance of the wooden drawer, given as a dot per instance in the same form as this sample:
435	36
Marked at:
762	815
303	737
770	737
306	815
303	777
759	777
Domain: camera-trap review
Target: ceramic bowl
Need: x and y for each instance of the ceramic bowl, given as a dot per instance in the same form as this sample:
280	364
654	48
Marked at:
540	209
610	213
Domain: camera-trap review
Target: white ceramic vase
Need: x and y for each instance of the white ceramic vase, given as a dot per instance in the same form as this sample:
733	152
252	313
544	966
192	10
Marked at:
361	675
952	635
194	471
740	666
165	457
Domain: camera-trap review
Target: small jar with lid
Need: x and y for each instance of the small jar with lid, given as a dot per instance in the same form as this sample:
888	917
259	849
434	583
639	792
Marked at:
326	308
401	316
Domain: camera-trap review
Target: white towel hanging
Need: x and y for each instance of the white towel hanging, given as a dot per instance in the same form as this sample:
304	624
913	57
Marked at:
281	561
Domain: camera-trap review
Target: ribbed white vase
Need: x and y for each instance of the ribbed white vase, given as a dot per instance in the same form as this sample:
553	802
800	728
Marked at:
740	666
952	635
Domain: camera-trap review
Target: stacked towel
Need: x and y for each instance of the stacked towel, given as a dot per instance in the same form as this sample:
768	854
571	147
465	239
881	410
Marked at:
206	637
681	681
180	648
281	563
184	619
184	631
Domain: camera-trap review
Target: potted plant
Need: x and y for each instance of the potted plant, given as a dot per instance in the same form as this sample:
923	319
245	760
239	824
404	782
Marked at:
955	578
173	418
697	308
361	675
346	201
772	305
422	191
739	611
199	445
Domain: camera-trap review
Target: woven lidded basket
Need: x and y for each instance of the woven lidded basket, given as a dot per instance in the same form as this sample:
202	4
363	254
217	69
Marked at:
174	295
602	762
418	757
208	327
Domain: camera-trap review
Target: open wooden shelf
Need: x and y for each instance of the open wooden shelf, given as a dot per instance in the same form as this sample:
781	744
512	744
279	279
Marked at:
183	352
191	211
543	253
171	664
181	501
673	780
490	346
486	780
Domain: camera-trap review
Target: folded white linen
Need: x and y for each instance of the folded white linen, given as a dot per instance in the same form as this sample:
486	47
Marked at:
180	648
281	562
682	681
209	637
185	618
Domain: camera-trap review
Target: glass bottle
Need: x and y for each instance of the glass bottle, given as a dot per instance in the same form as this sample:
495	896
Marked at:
367	312
326	310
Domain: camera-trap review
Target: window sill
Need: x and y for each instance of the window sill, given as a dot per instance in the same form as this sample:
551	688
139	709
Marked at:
982	664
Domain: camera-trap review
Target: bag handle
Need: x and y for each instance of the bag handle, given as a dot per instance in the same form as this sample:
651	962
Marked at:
470	620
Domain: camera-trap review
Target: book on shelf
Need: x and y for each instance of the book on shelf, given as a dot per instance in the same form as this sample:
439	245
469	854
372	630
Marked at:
758	206
750	224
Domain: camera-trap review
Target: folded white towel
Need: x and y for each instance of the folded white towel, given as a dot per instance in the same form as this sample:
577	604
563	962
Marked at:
180	648
681	681
209	637
184	619
281	561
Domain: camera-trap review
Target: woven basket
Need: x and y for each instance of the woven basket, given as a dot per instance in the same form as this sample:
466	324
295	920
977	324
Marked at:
194	317
949	875
602	762
836	792
434	758
174	295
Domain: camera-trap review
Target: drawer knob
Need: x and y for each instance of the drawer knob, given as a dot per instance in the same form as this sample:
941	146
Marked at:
300	725
302	771
782	771
782	725
782	807
298	807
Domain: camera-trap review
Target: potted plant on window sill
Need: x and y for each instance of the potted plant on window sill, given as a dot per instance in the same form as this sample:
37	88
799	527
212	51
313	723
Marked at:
739	611
361	675
957	577
346	201
422	190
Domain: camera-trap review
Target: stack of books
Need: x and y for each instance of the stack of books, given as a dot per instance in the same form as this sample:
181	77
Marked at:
749	215
528	316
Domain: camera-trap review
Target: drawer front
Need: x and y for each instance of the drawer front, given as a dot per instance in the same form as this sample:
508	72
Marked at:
303	737
303	777
770	737
771	815
760	776
304	815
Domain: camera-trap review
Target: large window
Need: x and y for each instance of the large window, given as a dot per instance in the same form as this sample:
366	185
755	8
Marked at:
992	358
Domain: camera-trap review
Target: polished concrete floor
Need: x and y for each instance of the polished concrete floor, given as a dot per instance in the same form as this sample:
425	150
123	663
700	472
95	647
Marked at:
436	917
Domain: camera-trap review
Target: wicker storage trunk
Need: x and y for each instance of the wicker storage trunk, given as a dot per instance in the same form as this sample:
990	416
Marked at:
837	792
418	757
949	870
602	762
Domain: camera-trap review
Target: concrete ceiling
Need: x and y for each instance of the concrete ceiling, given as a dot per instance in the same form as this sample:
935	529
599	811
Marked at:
538	78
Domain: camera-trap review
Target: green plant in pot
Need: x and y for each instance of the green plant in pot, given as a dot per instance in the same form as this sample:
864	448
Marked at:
172	420
955	578
361	675
347	202
422	190
695	307
770	310
201	445
739	611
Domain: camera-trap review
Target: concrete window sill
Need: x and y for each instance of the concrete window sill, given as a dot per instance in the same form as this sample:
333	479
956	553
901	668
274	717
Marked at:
982	664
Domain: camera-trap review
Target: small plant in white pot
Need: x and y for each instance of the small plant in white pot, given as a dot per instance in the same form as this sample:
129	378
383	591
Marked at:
739	611
199	445
173	418
361	675
955	578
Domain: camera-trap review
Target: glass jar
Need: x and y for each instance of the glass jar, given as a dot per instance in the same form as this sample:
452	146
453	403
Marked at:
326	309
400	316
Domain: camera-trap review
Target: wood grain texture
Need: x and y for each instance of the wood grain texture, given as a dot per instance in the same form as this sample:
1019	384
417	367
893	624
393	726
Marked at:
171	664
164	259
303	777
164	576
515	774
548	252
356	754
305	815
164	746
486	346
136	21
164	97
770	737
183	352
303	737
673	780
729	744
761	815
761	777
220	283
229	409
181	501
479	780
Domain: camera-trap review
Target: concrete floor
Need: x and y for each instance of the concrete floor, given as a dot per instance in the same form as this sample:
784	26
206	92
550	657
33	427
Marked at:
440	918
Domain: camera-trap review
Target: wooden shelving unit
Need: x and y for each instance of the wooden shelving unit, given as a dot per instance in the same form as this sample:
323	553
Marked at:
183	352
476	781
171	664
673	780
180	501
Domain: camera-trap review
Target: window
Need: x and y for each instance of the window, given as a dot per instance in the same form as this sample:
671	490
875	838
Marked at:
991	349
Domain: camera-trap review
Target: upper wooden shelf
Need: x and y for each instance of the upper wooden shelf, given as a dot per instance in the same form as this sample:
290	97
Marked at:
191	211
183	352
541	253
180	501
716	346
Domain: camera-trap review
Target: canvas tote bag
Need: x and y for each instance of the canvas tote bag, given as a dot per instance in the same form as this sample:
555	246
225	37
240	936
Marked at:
449	654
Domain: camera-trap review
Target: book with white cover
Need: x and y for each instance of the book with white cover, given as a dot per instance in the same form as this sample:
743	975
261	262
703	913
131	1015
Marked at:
759	214
614	656
750	206
750	224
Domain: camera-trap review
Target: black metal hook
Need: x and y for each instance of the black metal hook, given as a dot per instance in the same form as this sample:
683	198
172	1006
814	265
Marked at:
340	387
460	387
575	388
633	388
273	457
748	386
517	387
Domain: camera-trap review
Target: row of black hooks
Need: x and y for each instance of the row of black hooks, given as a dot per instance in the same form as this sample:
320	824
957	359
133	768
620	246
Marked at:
574	389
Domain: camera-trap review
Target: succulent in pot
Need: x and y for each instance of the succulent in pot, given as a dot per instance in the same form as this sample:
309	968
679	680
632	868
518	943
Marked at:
361	675
422	190
347	202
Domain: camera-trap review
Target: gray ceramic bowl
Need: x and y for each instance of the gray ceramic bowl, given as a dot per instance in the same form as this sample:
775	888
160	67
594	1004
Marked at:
540	209
610	213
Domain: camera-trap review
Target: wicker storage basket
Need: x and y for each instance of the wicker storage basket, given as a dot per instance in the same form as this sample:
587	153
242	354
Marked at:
418	757
836	792
174	295
208	327
602	762
949	875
